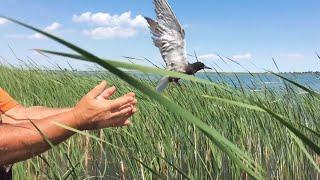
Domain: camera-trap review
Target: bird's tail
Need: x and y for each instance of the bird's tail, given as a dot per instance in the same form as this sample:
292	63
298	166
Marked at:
162	84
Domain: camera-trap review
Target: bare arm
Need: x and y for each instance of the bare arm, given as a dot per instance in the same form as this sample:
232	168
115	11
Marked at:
22	141
21	113
94	111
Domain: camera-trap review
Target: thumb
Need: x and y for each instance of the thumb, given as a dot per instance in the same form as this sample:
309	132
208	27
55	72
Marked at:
96	91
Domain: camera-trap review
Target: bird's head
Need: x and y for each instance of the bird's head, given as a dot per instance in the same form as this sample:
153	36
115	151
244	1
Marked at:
197	66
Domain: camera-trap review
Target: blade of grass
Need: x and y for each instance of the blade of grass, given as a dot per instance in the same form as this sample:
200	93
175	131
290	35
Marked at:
236	103
72	168
145	69
185	176
151	170
47	140
310	130
71	171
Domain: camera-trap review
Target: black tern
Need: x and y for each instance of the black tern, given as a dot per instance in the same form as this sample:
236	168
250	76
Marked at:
169	36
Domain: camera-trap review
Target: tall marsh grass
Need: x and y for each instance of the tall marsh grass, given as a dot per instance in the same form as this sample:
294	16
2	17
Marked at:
163	141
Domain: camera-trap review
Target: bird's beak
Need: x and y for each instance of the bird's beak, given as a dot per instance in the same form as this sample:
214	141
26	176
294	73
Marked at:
206	67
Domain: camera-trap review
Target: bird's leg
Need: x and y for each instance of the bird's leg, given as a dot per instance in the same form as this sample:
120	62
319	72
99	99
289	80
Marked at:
176	81
181	86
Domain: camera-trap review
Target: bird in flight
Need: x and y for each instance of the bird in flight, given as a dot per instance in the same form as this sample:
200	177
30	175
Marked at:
169	36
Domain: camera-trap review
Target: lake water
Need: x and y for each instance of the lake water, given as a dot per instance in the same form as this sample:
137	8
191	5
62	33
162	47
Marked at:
254	81
263	80
257	81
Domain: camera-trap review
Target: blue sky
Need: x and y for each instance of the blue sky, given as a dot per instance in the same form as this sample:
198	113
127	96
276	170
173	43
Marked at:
251	32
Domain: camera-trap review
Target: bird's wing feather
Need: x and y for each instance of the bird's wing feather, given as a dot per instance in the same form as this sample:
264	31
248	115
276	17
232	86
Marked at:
168	36
162	84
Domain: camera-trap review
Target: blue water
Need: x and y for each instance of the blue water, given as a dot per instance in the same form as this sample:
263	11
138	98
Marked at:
263	80
256	81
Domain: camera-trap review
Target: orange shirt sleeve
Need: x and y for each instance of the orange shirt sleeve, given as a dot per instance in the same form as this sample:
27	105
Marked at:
6	101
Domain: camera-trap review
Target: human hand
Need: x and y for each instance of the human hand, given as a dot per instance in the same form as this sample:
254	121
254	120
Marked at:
96	111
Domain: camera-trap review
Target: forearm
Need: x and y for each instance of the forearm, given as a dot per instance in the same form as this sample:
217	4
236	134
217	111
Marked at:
21	113
23	141
39	112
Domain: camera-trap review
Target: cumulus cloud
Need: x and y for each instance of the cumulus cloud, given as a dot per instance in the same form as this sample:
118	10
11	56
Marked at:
54	26
111	26
106	19
293	55
208	57
110	32
245	56
51	28
3	21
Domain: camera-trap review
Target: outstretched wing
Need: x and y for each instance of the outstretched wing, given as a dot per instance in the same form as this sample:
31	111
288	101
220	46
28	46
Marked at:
169	36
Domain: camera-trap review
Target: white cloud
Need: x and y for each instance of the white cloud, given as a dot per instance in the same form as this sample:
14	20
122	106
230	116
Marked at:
51	28
293	55
84	17
54	26
208	57
36	36
245	56
3	21
110	32
111	26
106	19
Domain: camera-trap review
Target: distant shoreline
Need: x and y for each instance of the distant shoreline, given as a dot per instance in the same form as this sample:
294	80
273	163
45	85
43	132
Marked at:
134	71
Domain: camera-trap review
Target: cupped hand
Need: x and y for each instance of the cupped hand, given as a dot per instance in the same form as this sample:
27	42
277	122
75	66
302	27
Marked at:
96	110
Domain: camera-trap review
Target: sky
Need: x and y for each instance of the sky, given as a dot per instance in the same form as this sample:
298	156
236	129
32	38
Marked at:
248	31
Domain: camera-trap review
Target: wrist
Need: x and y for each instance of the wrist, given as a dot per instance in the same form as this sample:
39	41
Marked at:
77	119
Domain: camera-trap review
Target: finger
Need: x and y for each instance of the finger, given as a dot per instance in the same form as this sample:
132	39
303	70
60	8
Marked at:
96	91
107	93
117	122
134	109
132	94
127	122
132	104
122	107
120	117
128	114
117	103
124	122
122	112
